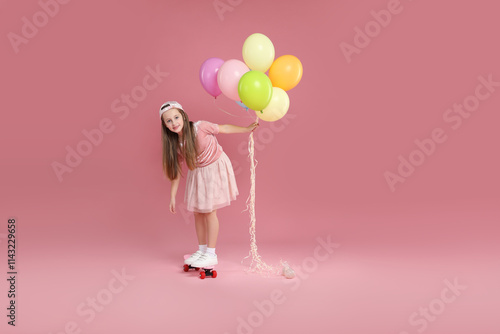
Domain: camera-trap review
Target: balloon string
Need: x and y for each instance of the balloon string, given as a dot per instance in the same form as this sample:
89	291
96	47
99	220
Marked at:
257	265
250	115
224	110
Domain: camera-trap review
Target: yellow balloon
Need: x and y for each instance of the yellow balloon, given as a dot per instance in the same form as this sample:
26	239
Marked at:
258	52
286	72
277	108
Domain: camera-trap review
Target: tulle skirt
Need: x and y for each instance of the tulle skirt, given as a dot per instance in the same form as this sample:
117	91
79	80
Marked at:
211	187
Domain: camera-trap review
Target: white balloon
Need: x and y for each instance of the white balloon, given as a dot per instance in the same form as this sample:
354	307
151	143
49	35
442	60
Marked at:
277	107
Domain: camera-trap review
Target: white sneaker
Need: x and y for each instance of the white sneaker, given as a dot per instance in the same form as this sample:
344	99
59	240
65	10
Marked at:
195	256
206	260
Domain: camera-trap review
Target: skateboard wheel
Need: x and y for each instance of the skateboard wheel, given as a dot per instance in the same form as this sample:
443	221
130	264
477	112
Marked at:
186	267
196	269
214	274
202	275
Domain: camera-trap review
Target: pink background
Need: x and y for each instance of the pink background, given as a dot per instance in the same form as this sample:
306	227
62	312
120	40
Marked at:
320	170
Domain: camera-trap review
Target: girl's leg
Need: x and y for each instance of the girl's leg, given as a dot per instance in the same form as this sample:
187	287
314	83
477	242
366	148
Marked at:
213	228
201	227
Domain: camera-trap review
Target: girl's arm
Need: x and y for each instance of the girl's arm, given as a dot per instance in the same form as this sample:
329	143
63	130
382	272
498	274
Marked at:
229	128
173	193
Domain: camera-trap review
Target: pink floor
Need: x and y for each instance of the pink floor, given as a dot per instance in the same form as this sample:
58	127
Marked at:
438	275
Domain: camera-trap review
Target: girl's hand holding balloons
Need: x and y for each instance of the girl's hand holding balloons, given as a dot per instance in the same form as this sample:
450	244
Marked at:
252	126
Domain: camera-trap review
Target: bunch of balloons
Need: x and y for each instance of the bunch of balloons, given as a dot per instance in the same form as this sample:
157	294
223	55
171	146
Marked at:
247	83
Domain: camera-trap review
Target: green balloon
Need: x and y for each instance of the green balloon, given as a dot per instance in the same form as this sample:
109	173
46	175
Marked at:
255	90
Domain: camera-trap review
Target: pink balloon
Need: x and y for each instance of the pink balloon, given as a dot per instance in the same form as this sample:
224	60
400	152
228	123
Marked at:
229	76
208	75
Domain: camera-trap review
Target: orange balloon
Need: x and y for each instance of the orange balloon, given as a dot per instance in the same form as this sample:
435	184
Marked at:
286	72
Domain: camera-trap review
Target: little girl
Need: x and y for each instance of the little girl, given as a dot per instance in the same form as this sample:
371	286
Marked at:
210	183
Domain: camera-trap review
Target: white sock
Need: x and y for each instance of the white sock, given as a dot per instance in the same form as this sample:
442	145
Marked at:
203	248
211	251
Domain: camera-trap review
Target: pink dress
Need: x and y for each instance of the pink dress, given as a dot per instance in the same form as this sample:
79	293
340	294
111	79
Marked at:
212	185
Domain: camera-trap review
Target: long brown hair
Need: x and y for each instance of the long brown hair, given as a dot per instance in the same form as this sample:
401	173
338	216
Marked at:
189	151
